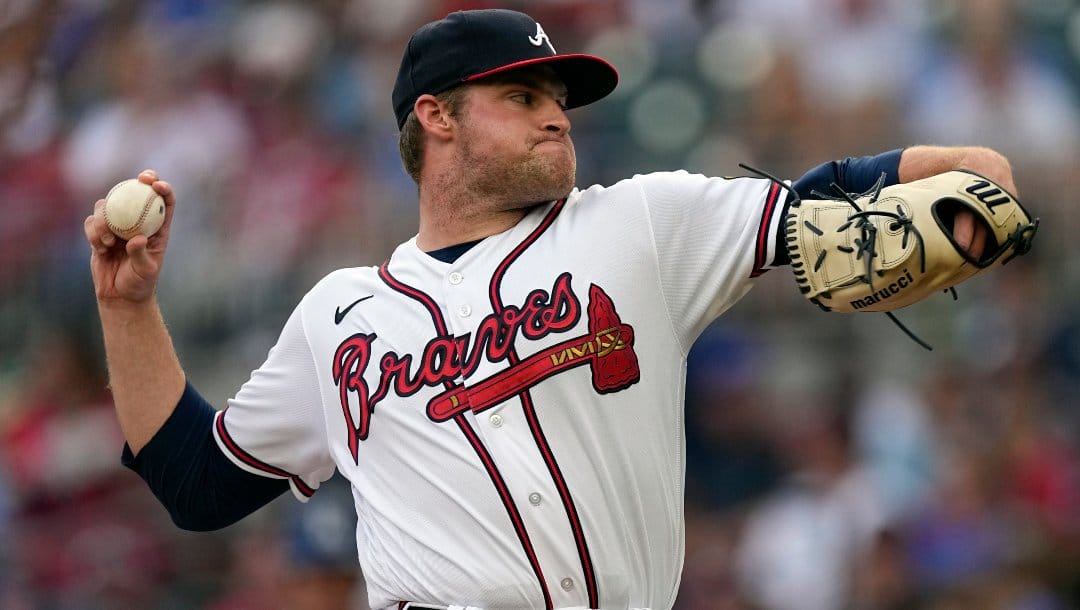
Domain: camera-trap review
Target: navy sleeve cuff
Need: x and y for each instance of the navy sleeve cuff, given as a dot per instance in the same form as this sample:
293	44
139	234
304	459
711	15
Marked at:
853	174
200	487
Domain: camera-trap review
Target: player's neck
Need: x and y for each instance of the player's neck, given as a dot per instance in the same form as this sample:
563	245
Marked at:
450	216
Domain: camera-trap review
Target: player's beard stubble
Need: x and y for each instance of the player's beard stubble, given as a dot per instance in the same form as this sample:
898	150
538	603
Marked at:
546	172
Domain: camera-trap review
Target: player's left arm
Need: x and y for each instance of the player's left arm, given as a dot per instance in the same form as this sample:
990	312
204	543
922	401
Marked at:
861	174
918	162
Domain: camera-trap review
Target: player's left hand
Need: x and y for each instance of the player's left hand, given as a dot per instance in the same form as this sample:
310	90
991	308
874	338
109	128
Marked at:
970	233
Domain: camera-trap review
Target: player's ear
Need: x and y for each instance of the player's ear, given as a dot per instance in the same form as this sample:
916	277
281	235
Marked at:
434	116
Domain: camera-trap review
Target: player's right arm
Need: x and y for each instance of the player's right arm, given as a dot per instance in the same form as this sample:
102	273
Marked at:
167	425
145	375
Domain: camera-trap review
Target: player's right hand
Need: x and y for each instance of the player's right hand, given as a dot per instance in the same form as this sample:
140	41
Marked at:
127	271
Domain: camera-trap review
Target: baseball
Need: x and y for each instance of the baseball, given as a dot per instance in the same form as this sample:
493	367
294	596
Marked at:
133	208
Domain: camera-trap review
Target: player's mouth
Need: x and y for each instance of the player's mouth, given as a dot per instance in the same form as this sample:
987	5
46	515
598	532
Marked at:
559	141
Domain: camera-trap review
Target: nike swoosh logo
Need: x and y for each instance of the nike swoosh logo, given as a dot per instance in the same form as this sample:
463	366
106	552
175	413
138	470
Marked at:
339	313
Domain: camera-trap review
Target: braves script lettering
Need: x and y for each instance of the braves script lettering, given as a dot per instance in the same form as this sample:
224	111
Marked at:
446	358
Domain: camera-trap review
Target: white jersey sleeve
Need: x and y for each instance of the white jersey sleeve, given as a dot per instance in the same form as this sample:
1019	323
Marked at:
712	237
275	426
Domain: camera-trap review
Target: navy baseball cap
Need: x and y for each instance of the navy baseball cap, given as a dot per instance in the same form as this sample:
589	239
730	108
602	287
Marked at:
469	45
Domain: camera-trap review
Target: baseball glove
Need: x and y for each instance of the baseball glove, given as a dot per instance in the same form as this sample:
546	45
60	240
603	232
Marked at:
893	246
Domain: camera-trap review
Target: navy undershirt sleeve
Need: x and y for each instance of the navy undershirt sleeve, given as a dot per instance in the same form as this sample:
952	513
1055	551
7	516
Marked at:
197	483
853	174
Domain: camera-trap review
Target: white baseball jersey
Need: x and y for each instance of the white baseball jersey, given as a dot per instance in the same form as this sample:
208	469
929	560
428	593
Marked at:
512	422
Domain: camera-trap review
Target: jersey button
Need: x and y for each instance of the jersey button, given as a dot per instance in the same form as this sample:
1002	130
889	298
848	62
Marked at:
534	499
496	420
465	311
455	278
567	584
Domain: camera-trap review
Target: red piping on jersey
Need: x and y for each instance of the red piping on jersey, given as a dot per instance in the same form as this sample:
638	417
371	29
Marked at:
417	295
762	250
255	463
534	423
500	271
508	503
477	445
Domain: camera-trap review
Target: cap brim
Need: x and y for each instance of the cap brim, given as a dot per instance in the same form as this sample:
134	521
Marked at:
588	78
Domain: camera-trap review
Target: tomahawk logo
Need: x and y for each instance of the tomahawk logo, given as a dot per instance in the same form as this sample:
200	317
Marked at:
607	347
540	38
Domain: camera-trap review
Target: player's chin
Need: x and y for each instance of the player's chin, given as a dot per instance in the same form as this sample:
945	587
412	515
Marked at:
546	176
563	172
560	186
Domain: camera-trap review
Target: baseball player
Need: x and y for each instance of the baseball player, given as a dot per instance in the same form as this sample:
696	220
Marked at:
505	391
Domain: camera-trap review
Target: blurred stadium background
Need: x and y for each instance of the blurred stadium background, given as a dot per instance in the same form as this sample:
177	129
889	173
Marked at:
833	464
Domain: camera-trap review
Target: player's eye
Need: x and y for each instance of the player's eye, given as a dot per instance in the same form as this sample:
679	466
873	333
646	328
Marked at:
531	98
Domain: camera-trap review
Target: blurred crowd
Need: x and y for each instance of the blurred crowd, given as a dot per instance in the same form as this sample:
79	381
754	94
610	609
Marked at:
833	463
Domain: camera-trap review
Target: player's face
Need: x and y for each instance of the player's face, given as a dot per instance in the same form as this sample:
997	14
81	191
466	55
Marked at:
514	141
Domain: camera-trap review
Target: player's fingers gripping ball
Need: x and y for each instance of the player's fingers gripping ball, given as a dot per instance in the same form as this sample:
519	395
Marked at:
893	246
134	208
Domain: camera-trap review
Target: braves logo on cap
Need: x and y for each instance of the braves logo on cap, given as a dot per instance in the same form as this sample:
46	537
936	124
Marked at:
540	38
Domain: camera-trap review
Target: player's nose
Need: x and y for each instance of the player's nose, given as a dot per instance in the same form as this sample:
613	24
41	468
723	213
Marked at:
555	119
